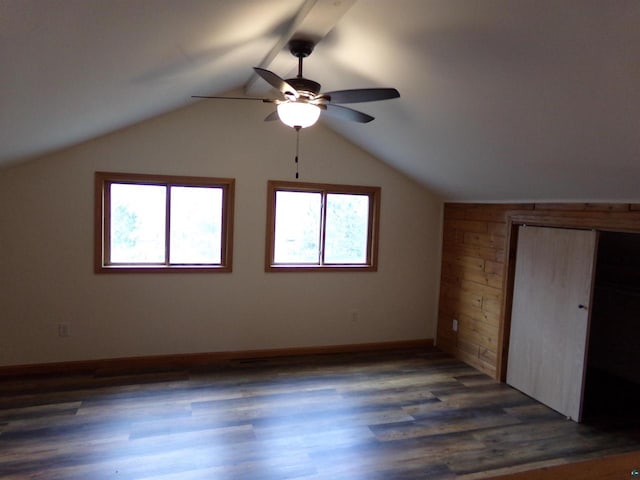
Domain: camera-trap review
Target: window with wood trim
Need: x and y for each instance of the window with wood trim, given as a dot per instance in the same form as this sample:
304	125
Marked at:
313	226
161	223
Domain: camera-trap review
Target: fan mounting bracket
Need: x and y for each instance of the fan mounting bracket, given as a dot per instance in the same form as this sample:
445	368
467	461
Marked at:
301	48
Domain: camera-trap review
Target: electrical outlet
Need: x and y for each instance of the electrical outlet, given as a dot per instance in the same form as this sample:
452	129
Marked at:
354	315
64	329
455	325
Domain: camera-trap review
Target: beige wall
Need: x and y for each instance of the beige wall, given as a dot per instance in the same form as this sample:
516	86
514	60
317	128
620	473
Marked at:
46	248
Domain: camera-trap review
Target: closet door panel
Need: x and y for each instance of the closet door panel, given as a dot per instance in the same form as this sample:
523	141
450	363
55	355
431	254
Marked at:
550	316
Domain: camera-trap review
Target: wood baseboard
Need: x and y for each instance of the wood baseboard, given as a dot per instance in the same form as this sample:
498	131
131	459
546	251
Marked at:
186	360
614	467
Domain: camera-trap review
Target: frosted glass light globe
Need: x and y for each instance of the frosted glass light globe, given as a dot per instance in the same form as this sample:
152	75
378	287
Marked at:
298	114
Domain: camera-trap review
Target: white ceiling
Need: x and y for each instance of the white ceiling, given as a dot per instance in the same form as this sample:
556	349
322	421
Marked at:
501	99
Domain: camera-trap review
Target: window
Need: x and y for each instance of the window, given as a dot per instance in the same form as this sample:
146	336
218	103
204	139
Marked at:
321	227
158	223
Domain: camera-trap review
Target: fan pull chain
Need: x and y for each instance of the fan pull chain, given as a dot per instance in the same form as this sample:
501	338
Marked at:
297	148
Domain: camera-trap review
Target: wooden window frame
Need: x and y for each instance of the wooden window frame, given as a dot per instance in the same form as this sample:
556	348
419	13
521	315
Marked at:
374	194
102	222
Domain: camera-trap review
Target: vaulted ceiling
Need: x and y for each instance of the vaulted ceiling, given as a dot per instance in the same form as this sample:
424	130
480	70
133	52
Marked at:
501	100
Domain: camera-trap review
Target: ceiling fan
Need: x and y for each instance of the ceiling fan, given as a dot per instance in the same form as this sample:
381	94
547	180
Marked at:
301	102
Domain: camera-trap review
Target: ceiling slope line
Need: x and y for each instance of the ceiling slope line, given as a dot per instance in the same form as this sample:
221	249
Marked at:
314	20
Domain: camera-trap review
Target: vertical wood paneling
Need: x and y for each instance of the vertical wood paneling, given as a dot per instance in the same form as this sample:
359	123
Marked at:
474	276
473	260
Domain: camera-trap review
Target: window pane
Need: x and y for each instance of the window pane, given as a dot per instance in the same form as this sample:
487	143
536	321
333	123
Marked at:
297	228
137	223
346	228
196	225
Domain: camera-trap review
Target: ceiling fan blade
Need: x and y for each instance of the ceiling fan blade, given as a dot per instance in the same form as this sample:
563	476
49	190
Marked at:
276	82
265	100
344	113
362	95
272	116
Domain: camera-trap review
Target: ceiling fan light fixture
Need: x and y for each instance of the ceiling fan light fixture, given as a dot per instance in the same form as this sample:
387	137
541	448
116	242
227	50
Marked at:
298	114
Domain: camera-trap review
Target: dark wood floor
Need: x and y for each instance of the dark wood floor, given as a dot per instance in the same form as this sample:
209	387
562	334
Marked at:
397	415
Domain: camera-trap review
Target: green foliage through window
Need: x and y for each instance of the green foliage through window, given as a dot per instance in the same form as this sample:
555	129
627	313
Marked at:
156	222
317	226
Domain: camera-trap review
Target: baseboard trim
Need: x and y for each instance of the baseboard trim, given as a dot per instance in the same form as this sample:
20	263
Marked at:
186	360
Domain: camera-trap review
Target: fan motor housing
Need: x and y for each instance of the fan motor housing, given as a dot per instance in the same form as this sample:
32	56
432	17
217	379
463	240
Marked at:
304	85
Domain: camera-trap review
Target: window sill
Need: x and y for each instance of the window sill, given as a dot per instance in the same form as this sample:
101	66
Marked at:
321	268
163	269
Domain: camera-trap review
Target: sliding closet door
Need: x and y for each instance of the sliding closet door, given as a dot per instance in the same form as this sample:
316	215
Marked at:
550	316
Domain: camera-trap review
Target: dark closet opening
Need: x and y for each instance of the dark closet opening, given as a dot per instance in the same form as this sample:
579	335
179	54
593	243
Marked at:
612	388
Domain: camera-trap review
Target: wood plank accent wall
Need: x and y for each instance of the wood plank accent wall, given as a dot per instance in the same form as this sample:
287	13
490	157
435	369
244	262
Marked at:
471	281
475	258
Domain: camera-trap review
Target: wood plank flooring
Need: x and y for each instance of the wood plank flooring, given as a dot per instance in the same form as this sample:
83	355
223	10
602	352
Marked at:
413	414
